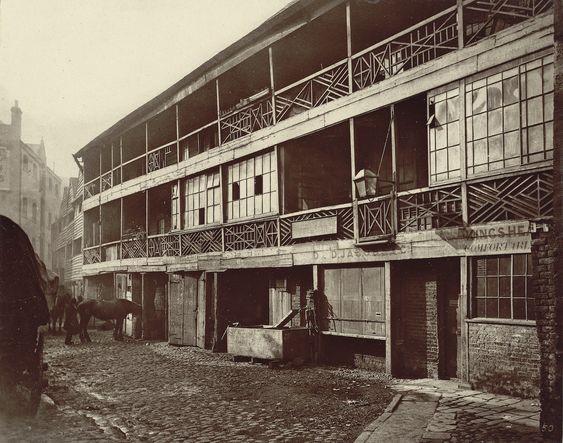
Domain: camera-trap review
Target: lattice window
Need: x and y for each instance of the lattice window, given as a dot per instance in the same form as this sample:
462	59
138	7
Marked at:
509	117
202	200
244	197
443	135
501	287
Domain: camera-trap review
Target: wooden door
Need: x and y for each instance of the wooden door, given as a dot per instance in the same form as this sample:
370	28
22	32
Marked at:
191	283
175	309
201	311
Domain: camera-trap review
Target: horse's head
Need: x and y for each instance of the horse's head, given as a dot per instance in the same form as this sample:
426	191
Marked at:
131	307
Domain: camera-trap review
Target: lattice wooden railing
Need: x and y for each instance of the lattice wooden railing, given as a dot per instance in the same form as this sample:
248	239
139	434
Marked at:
165	246
424	42
345	225
435	208
521	197
247	120
201	242
162	157
91	189
375	219
483	18
92	255
251	235
320	88
107	182
134	248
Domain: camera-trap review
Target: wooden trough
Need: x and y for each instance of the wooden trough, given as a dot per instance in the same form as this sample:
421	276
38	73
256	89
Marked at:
270	342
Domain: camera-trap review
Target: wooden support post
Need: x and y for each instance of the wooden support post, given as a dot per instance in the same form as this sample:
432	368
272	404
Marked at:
460	25
394	169
121	228
144	313
146	147
218	112
147	221
388	321
272	84
121	159
352	131
349	47
463	153
463	313
177	136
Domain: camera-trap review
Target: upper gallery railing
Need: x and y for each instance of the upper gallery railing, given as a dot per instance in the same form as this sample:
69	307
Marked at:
412	47
521	196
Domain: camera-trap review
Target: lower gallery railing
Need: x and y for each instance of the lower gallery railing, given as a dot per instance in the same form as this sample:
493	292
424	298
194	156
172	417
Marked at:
517	197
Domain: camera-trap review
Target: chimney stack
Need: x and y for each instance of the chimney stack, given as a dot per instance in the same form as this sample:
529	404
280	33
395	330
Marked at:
17	121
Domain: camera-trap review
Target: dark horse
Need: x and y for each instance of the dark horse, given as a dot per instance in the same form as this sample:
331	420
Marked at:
116	310
23	308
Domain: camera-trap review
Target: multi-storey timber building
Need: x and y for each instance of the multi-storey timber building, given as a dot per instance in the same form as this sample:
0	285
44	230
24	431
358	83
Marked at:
394	155
67	237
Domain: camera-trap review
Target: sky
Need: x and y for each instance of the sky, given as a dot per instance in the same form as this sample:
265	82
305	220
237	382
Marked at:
78	66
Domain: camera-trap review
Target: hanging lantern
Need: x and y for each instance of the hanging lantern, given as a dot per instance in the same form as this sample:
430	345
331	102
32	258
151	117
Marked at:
366	183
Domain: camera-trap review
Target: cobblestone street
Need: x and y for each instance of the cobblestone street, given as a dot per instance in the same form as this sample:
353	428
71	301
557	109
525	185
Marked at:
147	391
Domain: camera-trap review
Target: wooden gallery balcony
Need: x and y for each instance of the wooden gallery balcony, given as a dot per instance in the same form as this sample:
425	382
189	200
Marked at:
516	196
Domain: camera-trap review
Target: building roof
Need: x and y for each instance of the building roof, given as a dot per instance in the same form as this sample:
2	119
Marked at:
296	7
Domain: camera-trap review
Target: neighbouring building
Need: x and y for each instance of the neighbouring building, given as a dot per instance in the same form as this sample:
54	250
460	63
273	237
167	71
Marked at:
30	191
397	156
67	237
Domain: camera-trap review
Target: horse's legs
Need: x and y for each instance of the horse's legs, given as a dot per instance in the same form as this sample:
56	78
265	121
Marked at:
83	328
118	329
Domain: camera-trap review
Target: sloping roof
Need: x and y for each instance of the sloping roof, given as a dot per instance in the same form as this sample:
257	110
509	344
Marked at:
291	10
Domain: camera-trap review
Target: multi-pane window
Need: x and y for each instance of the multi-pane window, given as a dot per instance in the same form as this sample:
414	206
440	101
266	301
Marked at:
252	187
443	133
509	117
175	207
502	287
202	200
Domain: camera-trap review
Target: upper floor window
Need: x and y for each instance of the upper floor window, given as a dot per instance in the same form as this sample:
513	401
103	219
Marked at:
509	117
25	164
443	134
34	211
24	207
252	187
202	200
175	207
50	184
501	287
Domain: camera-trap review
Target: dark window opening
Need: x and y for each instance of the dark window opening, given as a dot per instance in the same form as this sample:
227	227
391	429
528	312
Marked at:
245	82
134	142
201	216
162	128
236	191
258	185
315	46
197	109
316	170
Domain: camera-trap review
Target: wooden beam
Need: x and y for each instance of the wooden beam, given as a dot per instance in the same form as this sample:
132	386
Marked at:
388	320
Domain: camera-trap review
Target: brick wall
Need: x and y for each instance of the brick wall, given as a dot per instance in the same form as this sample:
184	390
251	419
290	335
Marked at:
504	359
415	319
549	311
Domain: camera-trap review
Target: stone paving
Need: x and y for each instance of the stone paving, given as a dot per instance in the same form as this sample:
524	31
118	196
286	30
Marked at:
441	411
148	391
